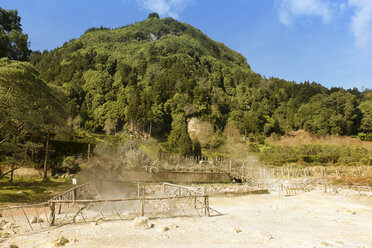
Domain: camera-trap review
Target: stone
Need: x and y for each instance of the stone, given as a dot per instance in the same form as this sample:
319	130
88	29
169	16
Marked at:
327	244
237	229
5	234
8	226
265	235
351	212
153	37
13	246
34	219
165	229
61	241
173	226
142	223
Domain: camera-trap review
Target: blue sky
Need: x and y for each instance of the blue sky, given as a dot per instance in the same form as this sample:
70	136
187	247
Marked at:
326	41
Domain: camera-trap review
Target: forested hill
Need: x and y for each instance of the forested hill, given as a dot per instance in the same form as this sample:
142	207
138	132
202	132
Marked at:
158	73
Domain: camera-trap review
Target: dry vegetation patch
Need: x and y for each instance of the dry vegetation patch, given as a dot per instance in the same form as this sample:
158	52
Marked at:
302	137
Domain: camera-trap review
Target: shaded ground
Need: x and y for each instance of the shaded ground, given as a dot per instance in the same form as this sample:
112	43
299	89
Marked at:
313	219
30	190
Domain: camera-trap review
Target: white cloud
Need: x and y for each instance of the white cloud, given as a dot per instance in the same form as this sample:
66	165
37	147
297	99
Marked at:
289	10
164	7
361	22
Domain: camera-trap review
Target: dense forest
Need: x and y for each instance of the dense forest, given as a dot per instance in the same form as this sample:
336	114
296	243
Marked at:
153	77
160	71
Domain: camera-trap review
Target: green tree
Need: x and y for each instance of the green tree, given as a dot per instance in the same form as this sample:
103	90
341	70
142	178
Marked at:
30	110
366	123
179	139
13	43
154	15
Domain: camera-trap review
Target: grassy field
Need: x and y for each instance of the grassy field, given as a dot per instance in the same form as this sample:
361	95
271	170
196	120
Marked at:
31	190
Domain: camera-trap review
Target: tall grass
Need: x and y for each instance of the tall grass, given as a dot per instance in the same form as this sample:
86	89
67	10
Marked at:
316	154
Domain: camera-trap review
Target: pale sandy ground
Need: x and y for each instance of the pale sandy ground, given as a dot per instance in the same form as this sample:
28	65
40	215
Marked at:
313	219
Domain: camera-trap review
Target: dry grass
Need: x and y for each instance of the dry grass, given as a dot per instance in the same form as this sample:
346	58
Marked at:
24	172
365	180
303	137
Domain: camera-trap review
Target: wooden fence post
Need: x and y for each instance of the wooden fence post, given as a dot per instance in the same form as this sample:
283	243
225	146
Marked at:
138	189
52	217
74	194
206	203
142	207
59	205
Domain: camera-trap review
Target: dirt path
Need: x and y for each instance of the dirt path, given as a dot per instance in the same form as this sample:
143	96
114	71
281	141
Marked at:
309	220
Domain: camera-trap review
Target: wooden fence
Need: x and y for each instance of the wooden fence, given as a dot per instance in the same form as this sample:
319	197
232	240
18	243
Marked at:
152	200
74	211
289	189
349	190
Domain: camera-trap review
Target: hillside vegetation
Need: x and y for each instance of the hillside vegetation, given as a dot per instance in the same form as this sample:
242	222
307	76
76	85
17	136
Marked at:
155	75
160	78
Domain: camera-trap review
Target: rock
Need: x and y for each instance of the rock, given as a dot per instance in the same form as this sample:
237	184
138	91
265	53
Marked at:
324	243
350	211
34	219
5	234
168	227
13	246
61	241
236	229
153	37
265	235
100	220
143	223
9	226
173	226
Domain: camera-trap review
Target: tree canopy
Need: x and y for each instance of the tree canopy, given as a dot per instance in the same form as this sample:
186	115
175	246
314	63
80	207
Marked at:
13	43
29	109
146	75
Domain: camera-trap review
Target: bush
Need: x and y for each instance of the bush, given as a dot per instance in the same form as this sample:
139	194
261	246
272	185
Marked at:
69	165
253	148
260	139
365	136
275	136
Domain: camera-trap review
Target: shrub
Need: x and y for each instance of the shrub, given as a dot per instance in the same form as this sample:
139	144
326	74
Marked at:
253	147
323	154
69	165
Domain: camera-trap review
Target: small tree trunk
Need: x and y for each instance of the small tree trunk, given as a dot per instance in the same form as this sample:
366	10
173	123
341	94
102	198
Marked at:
150	127
88	151
46	179
11	173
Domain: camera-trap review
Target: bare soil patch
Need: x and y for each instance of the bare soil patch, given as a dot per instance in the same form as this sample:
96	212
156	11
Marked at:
312	219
